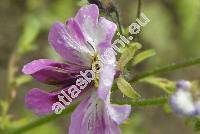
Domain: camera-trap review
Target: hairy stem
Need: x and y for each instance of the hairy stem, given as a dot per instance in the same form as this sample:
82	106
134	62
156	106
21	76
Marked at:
144	102
40	121
167	68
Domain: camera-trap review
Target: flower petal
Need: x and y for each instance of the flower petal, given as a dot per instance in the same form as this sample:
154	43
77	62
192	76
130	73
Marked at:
96	31
68	42
106	81
109	29
119	113
182	103
41	102
91	117
75	31
51	72
90	13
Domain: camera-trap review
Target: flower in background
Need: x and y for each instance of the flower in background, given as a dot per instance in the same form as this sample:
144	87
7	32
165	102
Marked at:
184	101
82	42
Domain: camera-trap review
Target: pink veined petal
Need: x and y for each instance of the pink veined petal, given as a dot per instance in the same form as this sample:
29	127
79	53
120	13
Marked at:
52	72
96	31
68	42
109	28
119	113
87	18
41	102
75	31
107	72
105	81
89	12
91	117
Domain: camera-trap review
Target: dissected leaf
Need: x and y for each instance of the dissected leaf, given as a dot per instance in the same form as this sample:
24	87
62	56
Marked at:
165	84
127	55
144	55
126	88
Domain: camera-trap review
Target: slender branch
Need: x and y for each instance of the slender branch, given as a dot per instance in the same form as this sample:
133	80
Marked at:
145	102
167	68
11	80
40	121
139	8
118	21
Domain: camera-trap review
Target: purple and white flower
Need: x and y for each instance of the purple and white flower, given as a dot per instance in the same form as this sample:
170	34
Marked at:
183	100
82	41
95	116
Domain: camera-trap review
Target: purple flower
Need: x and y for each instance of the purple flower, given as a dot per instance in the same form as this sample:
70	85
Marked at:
82	42
183	101
95	116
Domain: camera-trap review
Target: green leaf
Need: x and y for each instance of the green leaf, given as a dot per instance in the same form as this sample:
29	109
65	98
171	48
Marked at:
144	55
127	55
165	84
127	89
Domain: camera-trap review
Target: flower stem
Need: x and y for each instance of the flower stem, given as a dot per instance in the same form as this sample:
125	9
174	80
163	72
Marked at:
139	8
40	121
167	68
118	20
145	102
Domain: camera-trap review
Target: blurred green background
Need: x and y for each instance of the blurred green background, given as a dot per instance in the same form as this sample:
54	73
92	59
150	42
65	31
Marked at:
173	32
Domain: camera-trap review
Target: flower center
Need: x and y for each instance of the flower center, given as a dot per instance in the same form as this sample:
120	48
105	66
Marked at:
96	67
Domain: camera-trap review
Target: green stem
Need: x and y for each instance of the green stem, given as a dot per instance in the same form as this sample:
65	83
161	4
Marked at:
139	8
167	68
118	21
11	81
144	102
40	121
